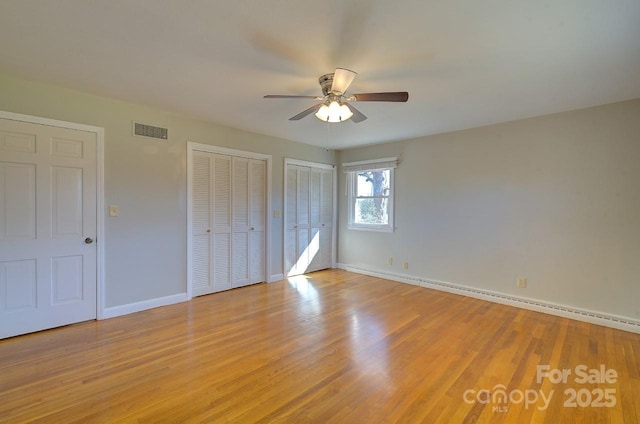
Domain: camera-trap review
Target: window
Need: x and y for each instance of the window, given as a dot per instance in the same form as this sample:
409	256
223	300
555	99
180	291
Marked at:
370	194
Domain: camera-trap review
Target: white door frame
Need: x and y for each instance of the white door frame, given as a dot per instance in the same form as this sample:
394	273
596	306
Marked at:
100	230
193	146
334	212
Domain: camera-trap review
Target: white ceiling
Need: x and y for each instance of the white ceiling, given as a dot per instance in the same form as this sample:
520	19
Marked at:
464	63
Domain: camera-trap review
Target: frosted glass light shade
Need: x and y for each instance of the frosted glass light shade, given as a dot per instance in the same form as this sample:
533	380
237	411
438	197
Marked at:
334	112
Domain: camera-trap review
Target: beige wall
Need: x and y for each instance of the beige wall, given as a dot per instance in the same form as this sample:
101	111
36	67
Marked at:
146	245
555	199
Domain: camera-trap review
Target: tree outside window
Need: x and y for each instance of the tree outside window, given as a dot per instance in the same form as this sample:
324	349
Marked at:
371	199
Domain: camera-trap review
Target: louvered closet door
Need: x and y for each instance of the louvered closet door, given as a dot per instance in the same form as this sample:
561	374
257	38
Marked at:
221	218
249	213
297	226
321	212
302	227
290	224
228	230
257	217
202	283
308	220
240	219
211	228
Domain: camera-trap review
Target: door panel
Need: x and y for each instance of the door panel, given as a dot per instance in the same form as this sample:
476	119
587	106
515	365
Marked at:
201	254
257	220
66	202
302	205
308	219
18	203
240	259
201	224
66	279
221	261
229	211
47	209
221	218
240	229
257	244
18	284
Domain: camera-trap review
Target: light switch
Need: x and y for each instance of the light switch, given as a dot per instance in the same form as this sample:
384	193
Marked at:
113	210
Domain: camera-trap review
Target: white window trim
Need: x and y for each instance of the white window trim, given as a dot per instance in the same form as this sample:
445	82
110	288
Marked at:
352	169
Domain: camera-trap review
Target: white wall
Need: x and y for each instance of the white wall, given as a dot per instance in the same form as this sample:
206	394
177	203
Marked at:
146	178
555	199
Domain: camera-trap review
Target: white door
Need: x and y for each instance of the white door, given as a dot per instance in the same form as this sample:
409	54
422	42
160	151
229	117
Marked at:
47	227
297	229
220	216
321	211
240	219
257	220
228	229
249	214
211	223
308	218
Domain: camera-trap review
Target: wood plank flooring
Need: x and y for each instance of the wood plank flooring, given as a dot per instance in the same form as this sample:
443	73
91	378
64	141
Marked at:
330	347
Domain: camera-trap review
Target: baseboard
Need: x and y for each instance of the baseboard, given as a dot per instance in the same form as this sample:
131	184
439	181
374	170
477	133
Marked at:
593	317
130	308
276	277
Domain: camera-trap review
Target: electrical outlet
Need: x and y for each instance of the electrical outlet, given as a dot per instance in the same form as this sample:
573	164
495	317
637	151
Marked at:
389	261
522	282
405	265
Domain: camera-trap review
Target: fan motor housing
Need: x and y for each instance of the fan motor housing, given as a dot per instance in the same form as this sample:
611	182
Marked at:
326	81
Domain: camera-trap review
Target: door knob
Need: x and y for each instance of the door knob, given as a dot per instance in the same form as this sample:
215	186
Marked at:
88	240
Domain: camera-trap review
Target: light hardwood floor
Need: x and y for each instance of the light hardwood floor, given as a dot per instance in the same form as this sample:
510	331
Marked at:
330	347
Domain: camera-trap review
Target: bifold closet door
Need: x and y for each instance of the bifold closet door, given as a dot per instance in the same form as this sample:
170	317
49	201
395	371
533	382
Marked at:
228	230
211	227
309	219
248	239
257	220
297	220
321	212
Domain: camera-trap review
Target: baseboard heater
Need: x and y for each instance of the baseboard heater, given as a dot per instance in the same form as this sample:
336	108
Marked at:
593	317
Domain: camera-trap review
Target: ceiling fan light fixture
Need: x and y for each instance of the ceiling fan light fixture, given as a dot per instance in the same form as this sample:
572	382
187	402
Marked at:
334	112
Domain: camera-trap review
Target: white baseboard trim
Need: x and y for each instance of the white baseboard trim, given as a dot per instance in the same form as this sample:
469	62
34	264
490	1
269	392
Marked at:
130	308
593	317
276	277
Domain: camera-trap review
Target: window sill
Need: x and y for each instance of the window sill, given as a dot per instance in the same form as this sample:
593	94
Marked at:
379	229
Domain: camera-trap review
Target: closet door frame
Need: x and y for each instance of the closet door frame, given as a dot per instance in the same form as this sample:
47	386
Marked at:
207	148
334	212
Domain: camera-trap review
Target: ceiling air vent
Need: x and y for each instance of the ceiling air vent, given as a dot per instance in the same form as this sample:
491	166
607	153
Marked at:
150	131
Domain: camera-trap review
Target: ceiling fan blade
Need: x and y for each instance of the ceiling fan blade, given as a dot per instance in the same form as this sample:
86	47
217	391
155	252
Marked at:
306	112
285	96
357	115
397	96
342	79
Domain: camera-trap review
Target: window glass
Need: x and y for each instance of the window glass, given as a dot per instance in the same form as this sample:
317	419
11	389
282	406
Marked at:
371	200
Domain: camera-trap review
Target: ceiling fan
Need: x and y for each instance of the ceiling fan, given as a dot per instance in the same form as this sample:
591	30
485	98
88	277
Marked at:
334	106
